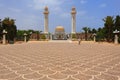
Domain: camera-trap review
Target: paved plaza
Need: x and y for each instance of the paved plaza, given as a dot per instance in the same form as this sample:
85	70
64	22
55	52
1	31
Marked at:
60	61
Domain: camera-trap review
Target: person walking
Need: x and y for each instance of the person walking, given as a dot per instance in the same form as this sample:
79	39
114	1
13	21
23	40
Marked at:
79	41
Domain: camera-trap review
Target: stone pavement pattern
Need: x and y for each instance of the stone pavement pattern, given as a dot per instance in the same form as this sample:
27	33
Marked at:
59	61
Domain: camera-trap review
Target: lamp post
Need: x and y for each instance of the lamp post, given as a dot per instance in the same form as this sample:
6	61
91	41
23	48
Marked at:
30	35
94	36
116	32
0	22
40	34
25	37
0	27
4	36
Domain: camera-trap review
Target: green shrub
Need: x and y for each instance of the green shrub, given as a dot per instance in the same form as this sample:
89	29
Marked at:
43	37
73	36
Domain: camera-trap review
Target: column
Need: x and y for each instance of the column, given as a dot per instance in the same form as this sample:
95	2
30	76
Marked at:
73	13
46	12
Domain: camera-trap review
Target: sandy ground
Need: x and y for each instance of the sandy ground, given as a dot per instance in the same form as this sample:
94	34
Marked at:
60	61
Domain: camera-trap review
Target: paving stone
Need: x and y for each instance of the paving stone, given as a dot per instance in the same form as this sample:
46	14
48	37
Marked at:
117	68
112	72
45	78
98	69
13	65
48	65
105	66
8	76
33	76
69	72
66	65
2	67
17	78
70	78
78	68
86	66
58	75
30	65
5	71
39	68
20	68
47	72
58	68
82	76
95	78
24	71
107	77
91	72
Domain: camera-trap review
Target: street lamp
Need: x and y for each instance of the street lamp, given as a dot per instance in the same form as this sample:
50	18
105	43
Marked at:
0	22
94	35
40	33
4	36
116	32
25	37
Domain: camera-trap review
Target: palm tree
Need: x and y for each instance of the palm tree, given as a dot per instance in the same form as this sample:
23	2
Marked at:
86	29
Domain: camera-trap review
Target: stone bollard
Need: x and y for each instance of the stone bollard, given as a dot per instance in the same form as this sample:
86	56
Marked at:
4	37
25	37
94	37
116	32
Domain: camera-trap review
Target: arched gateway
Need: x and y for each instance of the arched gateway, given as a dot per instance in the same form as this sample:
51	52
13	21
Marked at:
59	30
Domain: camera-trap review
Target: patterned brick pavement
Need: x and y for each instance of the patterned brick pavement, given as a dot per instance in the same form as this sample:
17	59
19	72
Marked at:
60	61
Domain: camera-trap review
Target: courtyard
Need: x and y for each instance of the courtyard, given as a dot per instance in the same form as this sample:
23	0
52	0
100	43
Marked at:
60	61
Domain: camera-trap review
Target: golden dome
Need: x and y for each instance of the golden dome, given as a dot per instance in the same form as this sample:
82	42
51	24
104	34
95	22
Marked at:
59	29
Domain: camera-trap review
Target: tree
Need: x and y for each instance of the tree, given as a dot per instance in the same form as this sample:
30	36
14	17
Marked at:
73	36
117	25
9	25
43	37
1	29
108	26
86	29
94	31
117	22
100	34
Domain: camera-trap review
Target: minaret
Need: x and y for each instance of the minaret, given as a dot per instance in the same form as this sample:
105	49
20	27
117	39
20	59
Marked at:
73	13
46	12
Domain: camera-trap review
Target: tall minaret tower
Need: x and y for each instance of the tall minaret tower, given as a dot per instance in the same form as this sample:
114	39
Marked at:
73	13
46	13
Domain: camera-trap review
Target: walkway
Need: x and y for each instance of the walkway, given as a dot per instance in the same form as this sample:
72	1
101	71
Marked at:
55	61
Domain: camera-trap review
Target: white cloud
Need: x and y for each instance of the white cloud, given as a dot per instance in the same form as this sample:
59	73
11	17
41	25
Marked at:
103	5
83	1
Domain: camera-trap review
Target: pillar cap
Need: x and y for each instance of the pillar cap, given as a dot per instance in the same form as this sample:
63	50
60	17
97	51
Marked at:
46	11
73	10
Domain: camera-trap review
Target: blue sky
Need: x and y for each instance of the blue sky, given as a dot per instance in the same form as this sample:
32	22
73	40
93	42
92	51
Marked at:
29	13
